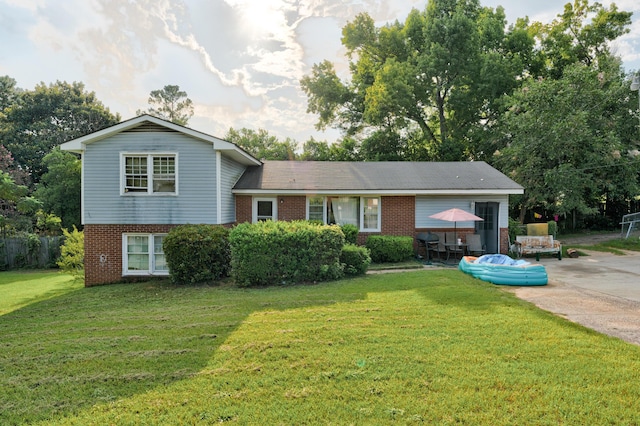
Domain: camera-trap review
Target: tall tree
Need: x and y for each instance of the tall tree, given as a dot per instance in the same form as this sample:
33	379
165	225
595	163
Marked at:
171	104
564	145
573	38
346	149
8	165
59	189
262	145
14	183
426	82
46	117
8	92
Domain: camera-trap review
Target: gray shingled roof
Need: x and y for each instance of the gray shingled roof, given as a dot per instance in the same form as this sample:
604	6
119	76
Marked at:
387	176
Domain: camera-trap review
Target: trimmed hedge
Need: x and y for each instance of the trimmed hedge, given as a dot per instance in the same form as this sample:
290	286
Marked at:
350	232
390	249
356	259
197	253
268	253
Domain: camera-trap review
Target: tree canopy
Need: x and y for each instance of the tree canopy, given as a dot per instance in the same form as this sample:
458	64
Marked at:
261	145
569	164
60	187
171	104
32	123
418	87
37	120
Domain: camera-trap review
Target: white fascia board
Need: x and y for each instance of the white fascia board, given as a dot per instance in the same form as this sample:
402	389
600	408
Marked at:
262	192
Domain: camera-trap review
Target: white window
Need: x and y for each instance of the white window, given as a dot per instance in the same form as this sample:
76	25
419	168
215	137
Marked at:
149	174
316	209
370	214
265	209
363	212
142	254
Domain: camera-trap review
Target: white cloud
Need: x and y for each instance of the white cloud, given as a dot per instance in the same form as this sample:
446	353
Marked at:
240	61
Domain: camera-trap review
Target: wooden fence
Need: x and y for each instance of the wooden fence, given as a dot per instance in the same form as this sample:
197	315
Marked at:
27	253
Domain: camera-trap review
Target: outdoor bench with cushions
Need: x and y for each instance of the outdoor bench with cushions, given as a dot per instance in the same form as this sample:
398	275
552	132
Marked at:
536	244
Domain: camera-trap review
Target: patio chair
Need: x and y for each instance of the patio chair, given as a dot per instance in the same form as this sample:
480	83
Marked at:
440	249
475	246
451	245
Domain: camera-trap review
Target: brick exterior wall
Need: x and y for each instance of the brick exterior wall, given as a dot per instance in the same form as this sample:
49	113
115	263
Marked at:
398	216
103	250
243	208
292	207
103	243
504	240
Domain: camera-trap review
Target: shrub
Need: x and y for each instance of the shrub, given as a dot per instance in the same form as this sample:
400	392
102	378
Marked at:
553	228
72	253
515	229
285	252
197	253
350	232
387	248
356	259
33	248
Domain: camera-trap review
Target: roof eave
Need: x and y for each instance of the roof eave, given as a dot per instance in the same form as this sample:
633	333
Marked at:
476	192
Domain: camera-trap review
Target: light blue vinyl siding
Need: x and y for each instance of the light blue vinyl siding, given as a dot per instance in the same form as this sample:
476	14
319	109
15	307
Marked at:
230	173
196	168
426	206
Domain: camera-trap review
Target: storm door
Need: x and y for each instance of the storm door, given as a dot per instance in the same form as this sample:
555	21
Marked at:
488	228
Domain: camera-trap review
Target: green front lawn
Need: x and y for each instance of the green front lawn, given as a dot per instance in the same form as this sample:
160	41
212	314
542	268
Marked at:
432	347
20	288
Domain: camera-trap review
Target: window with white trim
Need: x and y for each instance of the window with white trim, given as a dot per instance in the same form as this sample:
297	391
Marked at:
149	174
265	209
142	254
363	212
370	213
316	209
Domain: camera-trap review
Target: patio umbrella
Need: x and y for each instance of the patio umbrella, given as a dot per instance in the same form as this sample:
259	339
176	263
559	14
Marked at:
455	215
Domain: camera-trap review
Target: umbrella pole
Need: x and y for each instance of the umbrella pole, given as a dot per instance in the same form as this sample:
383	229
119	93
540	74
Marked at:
455	240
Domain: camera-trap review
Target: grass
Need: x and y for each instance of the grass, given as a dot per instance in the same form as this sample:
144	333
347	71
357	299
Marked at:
21	288
616	246
434	347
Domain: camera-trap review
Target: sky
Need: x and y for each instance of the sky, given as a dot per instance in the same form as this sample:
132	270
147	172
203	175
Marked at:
239	61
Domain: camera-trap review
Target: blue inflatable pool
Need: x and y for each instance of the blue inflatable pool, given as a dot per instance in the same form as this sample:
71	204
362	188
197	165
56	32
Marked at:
501	269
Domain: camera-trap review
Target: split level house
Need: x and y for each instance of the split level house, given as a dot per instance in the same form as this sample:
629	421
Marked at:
143	176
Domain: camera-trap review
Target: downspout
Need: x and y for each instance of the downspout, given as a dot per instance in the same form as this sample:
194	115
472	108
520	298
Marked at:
218	187
82	221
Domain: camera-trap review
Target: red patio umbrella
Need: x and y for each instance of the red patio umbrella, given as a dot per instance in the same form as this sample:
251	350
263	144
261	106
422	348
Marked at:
455	215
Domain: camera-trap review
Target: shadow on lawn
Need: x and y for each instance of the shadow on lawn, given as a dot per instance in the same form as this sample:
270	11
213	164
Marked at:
101	344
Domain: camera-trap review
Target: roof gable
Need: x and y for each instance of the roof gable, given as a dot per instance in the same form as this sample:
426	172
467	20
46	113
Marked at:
148	123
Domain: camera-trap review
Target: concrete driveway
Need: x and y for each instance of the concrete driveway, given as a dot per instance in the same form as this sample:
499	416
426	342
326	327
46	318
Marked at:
600	291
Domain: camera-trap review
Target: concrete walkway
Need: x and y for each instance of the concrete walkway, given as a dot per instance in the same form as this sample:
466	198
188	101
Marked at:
600	291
